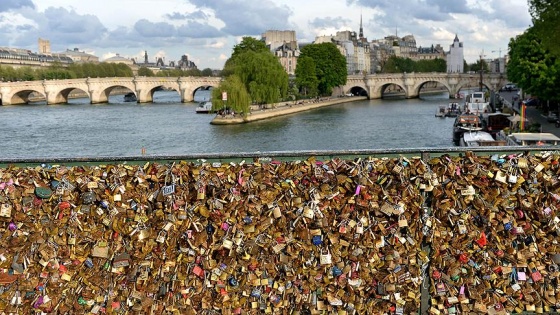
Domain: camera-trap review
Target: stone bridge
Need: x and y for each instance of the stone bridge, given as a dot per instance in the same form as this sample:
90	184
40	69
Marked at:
99	89
374	85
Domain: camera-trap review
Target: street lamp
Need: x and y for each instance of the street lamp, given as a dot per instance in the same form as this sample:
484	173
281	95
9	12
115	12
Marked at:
481	68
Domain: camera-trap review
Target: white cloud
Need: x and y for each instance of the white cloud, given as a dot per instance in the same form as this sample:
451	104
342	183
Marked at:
206	30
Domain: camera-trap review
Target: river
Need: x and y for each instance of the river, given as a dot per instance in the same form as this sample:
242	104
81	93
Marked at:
169	127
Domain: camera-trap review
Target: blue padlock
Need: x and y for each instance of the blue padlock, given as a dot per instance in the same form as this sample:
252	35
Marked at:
336	271
317	240
508	226
233	282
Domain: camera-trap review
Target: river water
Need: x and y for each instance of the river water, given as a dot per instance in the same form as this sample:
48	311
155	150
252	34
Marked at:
169	127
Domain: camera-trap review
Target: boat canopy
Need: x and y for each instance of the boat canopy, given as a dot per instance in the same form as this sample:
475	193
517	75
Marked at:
543	138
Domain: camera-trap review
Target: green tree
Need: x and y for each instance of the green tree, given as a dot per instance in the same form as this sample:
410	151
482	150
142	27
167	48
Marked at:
144	71
248	44
330	66
238	98
207	72
306	77
546	17
259	70
532	67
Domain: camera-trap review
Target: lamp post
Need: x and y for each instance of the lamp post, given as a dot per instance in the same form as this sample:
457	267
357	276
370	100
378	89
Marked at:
481	69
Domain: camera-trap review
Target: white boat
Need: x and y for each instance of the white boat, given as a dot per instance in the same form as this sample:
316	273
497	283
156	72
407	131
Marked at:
480	139
465	123
204	107
476	103
533	139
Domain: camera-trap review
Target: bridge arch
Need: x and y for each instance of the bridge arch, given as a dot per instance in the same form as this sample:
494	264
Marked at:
20	97
358	90
417	88
382	88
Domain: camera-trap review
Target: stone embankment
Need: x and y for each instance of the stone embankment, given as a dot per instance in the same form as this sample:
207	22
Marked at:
282	109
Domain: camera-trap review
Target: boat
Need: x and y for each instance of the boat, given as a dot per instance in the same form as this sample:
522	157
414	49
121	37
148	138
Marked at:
476	103
480	139
451	110
441	111
496	122
204	107
465	123
130	97
532	139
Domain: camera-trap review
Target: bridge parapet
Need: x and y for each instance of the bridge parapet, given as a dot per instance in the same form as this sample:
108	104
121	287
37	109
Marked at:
411	83
99	89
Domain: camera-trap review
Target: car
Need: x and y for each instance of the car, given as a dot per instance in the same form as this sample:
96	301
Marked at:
531	102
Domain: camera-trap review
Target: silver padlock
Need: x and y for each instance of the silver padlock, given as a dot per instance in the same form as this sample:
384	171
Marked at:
161	236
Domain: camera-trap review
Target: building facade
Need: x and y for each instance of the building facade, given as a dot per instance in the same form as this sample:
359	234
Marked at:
284	45
455	57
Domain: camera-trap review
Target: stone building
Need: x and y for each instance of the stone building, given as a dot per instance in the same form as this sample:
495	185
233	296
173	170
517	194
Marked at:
80	56
284	45
455	57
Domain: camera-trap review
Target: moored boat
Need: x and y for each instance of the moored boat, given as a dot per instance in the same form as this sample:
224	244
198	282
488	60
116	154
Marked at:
476	103
480	139
465	123
204	107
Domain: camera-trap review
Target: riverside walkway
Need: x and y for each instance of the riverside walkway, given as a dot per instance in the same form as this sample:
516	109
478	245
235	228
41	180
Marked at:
282	109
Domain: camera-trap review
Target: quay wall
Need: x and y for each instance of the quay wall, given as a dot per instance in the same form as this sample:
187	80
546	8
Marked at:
282	109
364	234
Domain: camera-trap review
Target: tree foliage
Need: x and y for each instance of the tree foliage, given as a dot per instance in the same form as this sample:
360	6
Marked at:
532	67
546	17
306	77
237	97
145	72
330	66
259	70
399	65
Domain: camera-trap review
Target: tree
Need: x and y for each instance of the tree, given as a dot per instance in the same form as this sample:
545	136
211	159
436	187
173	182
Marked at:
546	14
144	71
532	67
207	72
306	77
237	97
259	70
330	66
249	44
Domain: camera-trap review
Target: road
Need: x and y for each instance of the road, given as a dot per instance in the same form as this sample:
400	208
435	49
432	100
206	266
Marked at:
533	115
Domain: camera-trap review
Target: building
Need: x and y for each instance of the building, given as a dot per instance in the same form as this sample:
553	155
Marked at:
284	45
80	56
455	57
118	59
430	53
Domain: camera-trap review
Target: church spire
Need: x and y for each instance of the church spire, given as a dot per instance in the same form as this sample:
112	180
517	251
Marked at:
361	28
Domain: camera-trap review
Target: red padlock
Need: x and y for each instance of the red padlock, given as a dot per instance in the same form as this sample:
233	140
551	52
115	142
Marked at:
463	258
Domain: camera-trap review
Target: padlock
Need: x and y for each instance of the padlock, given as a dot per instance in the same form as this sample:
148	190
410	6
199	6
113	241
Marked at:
71	239
325	257
161	236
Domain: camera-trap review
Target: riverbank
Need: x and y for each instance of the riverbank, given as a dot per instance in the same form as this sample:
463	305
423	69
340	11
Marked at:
281	110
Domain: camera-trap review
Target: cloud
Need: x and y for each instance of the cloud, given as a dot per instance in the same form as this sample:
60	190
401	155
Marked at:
196	15
194	29
248	17
7	5
150	29
329	22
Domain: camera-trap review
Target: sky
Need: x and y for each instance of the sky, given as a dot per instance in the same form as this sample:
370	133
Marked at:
207	30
